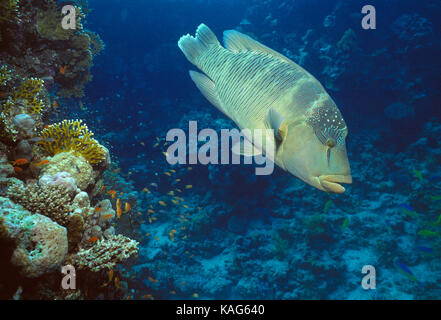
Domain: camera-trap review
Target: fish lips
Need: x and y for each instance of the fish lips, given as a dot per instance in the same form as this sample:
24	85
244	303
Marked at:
331	183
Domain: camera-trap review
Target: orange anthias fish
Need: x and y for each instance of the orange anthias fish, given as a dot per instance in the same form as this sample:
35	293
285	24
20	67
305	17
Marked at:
116	170
98	209
18	169
127	207
112	193
118	208
110	275
152	279
41	163
107	216
117	282
93	239
55	103
19	162
146	190
62	70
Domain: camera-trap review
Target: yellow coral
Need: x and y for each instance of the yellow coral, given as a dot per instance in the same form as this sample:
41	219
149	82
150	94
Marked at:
73	136
29	90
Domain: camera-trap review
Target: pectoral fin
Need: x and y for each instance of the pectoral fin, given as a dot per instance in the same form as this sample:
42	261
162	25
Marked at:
277	123
206	86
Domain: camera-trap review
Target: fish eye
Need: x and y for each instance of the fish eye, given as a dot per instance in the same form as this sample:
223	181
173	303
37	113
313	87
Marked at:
330	143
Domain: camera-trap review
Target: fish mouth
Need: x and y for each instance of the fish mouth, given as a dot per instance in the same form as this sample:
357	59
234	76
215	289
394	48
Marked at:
331	183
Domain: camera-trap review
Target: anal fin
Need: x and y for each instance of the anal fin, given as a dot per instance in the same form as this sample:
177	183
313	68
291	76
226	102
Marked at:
206	86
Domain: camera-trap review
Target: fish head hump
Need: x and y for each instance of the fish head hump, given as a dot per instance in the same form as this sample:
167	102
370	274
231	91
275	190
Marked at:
314	149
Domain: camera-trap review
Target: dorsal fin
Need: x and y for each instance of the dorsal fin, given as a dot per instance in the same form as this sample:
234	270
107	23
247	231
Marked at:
236	42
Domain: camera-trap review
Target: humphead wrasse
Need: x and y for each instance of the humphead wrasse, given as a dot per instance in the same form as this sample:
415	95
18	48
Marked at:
258	88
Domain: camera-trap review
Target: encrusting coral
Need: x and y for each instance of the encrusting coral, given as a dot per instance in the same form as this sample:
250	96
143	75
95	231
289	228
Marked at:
74	136
106	254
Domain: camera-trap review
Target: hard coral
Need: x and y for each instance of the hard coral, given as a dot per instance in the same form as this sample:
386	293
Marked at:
105	254
74	136
76	165
9	11
52	201
40	244
29	91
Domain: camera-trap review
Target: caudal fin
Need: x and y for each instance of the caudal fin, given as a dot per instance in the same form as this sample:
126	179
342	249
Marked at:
192	47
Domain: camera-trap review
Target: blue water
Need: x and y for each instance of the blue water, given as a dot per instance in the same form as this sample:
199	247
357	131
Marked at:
274	237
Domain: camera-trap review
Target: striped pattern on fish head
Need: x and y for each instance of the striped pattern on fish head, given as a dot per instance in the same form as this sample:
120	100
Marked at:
314	149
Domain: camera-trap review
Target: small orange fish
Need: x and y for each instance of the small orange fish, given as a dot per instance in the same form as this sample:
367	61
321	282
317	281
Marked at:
157	238
41	163
195	295
147	296
93	239
172	237
150	211
142	143
147	234
178	180
55	103
156	144
172	292
127	207
188	186
63	70
19	162
173	231
152	280
107	216
171	170
162	203
185	206
98	209
112	193
167	174
146	190
171	193
18	169
117	282
102	189
118	208
129	298
110	275
116	170
175	201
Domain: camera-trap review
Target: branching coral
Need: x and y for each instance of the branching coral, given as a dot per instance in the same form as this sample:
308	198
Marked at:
73	136
9	10
49	26
5	75
96	44
106	254
29	91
